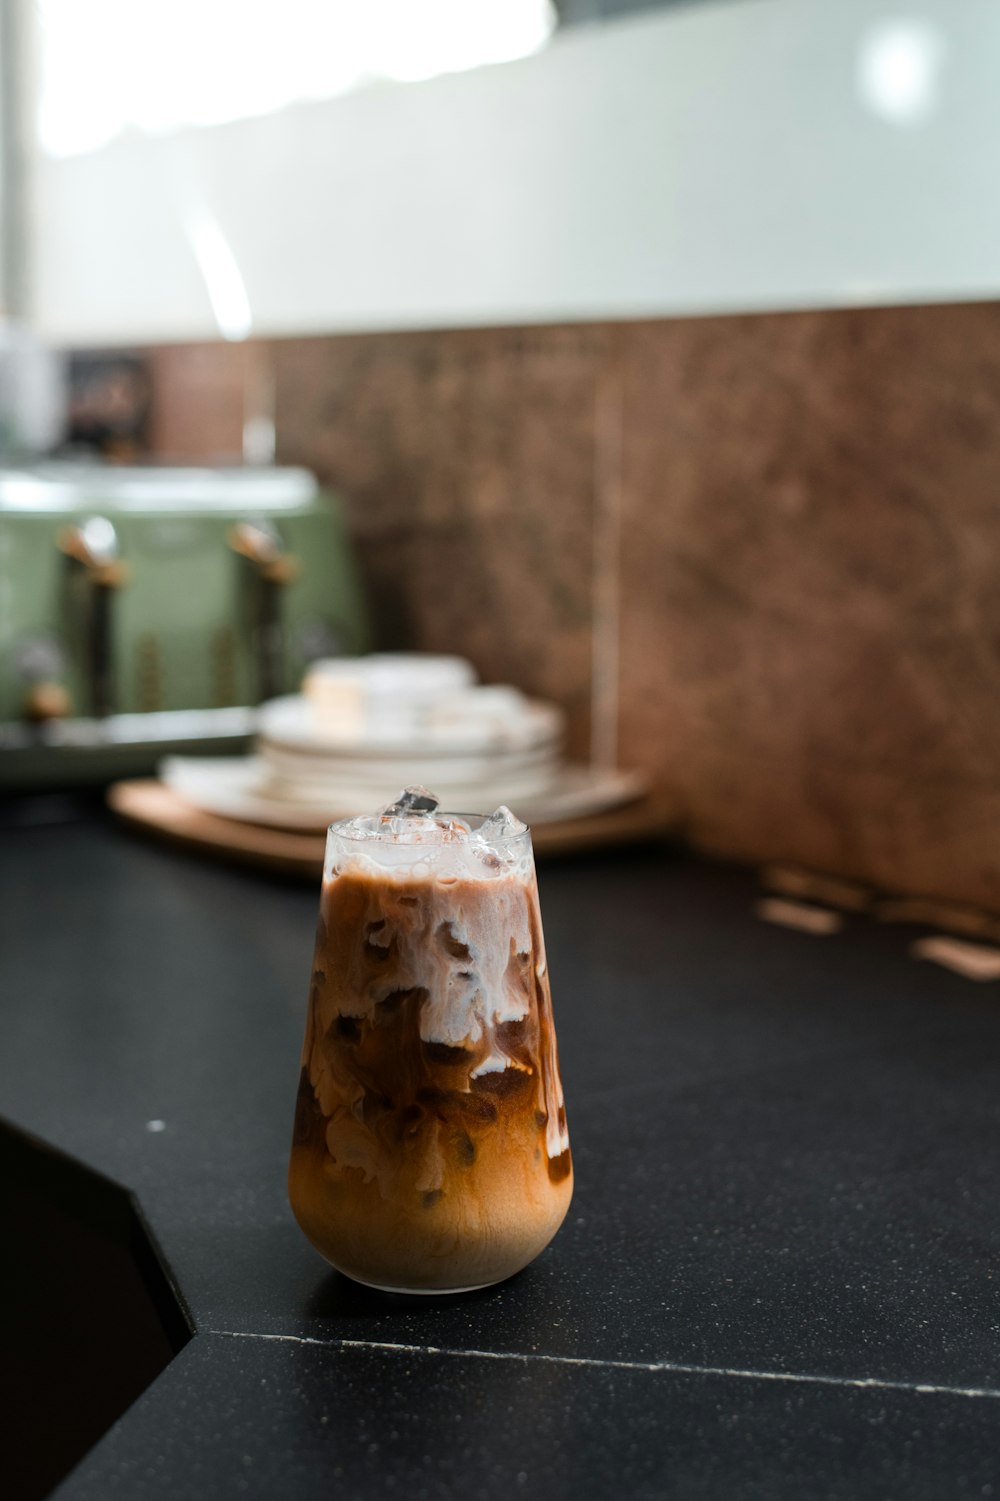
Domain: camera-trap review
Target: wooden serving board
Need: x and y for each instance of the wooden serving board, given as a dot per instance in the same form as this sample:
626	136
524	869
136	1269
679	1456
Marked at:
149	805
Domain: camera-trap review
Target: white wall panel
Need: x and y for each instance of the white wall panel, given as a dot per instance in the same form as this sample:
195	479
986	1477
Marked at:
718	158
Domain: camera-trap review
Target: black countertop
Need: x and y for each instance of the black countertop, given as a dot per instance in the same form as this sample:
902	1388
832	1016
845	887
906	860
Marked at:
776	1278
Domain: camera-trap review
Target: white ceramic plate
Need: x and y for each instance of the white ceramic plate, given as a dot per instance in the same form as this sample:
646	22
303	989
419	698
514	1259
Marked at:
320	774
290	724
240	788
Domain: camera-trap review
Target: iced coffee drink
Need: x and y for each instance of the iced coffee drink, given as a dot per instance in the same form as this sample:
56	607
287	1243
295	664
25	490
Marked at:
430	1150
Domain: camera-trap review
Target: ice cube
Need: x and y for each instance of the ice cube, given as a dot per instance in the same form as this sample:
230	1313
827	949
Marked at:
412	800
411	819
501	826
492	842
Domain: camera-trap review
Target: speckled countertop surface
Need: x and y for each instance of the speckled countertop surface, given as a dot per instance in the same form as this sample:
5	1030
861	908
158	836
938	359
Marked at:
777	1276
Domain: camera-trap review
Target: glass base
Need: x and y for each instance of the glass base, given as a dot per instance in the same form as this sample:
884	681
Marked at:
422	1292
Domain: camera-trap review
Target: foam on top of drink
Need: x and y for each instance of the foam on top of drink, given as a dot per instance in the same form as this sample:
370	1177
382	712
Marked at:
412	838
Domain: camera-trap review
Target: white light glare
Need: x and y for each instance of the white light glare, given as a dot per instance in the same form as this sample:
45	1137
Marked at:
898	70
223	279
157	65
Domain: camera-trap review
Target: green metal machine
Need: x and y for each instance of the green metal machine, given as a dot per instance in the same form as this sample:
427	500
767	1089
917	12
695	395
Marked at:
143	610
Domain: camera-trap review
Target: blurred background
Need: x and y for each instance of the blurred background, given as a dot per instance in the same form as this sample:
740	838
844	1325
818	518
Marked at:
645	355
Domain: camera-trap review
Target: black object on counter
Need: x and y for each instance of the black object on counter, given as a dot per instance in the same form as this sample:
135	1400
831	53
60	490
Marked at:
776	1278
89	1315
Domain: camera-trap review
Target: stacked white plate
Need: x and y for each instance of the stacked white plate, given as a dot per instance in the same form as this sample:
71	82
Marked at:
365	727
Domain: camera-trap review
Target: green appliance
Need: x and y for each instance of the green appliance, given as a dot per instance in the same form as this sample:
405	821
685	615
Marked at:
144	611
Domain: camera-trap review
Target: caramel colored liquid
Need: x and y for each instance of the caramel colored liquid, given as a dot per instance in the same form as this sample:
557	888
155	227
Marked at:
430	1147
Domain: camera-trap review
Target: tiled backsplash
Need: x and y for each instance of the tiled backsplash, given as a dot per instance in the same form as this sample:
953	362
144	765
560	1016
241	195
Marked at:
759	552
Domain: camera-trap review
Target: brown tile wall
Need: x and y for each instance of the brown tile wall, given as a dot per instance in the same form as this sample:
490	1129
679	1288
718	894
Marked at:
197	400
467	462
811	640
785	529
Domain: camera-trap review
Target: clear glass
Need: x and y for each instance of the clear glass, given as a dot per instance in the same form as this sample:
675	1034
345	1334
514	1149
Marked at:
430	1151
